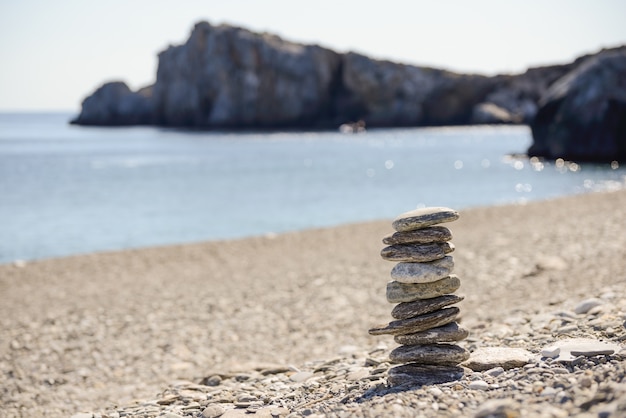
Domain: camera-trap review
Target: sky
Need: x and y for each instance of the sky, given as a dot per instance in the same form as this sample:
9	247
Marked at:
55	53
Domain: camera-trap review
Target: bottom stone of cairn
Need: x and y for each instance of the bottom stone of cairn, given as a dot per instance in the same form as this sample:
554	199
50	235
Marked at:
420	374
430	354
423	286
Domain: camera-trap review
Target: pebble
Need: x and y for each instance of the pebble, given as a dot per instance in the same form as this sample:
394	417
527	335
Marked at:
435	391
417	253
586	305
436	354
423	272
478	385
423	217
485	358
214	380
301	376
418	323
550	352
419	236
213	411
495	372
409	292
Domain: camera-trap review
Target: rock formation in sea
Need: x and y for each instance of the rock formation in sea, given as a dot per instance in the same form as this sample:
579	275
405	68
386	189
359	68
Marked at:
115	104
229	77
582	116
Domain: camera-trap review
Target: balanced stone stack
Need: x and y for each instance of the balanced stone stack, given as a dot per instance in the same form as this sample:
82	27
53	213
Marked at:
423	286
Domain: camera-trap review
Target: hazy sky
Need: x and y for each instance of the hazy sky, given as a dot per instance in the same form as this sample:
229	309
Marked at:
54	53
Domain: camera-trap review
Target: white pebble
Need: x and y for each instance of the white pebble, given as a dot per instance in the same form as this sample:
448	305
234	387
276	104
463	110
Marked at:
300	376
435	391
496	371
479	385
549	391
550	351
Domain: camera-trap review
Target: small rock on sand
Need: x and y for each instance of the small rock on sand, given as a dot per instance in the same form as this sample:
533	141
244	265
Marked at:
571	348
485	358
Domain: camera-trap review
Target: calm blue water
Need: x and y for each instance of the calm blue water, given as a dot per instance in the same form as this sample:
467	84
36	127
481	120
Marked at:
67	190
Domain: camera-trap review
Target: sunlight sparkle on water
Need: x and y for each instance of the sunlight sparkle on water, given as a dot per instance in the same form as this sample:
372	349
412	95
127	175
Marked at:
536	164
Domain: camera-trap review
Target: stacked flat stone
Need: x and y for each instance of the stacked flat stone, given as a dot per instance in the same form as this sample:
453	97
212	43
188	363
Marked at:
423	287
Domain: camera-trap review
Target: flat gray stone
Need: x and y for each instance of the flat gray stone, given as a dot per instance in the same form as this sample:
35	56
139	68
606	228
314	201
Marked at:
438	354
421	306
586	305
423	272
444	334
418	323
301	376
486	358
419	236
550	352
421	218
420	374
568	349
213	411
408	292
417	253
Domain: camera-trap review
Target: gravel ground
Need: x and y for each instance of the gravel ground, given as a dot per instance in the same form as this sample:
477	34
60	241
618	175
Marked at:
277	325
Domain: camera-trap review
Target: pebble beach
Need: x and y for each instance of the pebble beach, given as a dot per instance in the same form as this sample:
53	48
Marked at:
277	325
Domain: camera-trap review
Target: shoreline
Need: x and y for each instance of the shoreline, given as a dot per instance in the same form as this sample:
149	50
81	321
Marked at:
104	329
272	234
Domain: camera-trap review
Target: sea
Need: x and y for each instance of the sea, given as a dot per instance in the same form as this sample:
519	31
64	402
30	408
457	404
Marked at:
68	190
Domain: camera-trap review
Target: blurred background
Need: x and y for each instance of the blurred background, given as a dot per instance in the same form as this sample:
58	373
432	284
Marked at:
69	189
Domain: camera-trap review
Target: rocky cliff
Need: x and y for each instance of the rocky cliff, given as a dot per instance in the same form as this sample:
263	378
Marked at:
115	104
229	77
582	116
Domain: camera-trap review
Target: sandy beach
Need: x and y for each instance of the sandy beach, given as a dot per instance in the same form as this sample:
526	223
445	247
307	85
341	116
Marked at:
112	333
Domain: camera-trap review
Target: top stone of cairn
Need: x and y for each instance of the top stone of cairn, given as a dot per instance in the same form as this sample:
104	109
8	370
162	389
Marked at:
424	217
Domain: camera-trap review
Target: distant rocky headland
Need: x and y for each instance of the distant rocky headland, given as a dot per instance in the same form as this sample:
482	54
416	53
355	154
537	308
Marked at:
225	77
